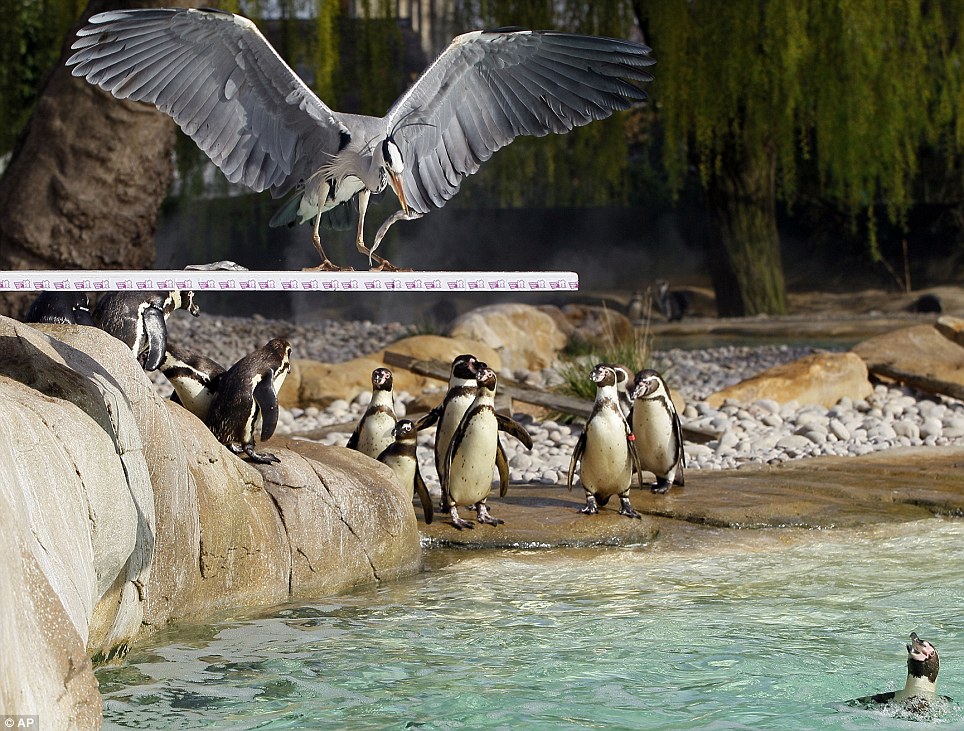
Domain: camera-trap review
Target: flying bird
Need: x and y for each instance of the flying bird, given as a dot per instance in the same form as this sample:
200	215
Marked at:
230	91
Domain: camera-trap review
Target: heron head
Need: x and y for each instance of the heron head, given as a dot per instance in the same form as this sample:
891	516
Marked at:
394	166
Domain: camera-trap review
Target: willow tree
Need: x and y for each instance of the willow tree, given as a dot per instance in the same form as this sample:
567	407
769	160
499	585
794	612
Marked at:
750	91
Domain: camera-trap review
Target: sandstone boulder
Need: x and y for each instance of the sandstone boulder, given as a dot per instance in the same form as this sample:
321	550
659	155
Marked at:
312	383
951	328
602	327
923	356
821	378
522	335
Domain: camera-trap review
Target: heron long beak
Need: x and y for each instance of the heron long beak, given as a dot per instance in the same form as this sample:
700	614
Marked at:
395	181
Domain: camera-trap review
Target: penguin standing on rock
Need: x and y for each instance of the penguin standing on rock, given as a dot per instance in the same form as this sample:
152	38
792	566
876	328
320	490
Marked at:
448	414
657	430
247	399
139	319
194	377
61	308
605	449
920	688
374	432
402	458
472	454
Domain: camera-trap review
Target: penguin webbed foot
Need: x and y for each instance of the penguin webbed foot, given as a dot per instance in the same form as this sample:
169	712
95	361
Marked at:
486	517
260	457
591	507
626	509
459	522
661	487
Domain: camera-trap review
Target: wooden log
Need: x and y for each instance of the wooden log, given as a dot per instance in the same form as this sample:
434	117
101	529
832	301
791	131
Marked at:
562	403
919	381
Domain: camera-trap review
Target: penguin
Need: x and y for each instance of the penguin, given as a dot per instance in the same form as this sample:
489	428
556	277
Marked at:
461	393
623	383
673	305
374	431
920	688
401	457
605	449
195	378
657	430
247	395
61	308
636	309
473	451
139	319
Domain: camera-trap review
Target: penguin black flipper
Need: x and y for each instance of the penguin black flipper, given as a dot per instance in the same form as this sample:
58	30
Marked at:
513	427
678	427
429	419
155	330
502	463
267	401
353	439
423	496
576	456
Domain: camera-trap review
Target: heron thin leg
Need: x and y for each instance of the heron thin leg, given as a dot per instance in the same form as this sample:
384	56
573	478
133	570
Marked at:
326	264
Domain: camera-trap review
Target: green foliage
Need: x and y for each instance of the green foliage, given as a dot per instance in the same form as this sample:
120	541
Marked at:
854	87
30	44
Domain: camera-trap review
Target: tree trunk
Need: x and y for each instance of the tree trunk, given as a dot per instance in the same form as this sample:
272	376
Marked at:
745	256
86	178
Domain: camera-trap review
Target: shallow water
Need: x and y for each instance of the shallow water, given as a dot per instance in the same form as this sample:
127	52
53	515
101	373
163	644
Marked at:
771	634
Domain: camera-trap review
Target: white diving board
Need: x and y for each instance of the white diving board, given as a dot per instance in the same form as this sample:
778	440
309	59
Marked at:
87	280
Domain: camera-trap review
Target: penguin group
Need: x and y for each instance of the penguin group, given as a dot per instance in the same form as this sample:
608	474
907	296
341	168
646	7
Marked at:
238	404
628	431
468	449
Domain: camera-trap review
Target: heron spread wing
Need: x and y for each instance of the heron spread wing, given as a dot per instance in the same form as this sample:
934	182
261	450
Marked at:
223	84
489	87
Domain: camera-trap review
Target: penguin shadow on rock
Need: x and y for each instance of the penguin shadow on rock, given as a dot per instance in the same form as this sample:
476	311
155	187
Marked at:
918	699
380	435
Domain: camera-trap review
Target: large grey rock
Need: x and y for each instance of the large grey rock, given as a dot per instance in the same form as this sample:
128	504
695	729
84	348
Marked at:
522	335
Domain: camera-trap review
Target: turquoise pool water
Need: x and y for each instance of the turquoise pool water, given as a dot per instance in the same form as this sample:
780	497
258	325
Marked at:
771	634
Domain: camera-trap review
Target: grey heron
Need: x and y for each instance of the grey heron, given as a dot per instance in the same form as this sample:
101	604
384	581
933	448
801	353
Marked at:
230	91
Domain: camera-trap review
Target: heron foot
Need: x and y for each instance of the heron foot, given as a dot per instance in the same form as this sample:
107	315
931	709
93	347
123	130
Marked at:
327	266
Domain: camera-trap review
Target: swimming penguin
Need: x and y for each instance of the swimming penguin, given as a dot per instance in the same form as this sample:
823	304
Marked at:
461	393
374	432
657	430
247	396
472	453
920	689
605	449
401	456
194	377
61	308
139	319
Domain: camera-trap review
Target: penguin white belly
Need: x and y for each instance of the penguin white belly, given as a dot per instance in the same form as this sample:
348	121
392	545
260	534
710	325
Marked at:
376	434
404	469
454	411
606	465
471	472
655	435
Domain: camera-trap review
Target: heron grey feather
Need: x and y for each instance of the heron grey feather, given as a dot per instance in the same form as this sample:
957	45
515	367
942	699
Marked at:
231	92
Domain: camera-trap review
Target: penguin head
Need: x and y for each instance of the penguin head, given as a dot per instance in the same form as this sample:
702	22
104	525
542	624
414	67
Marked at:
486	378
603	375
466	367
281	349
404	430
622	375
382	379
922	659
646	383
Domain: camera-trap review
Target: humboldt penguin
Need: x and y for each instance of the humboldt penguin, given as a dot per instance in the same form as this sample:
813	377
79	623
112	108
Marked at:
605	449
672	304
402	458
920	688
139	319
623	387
657	430
461	393
473	451
194	377
60	308
374	432
247	397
